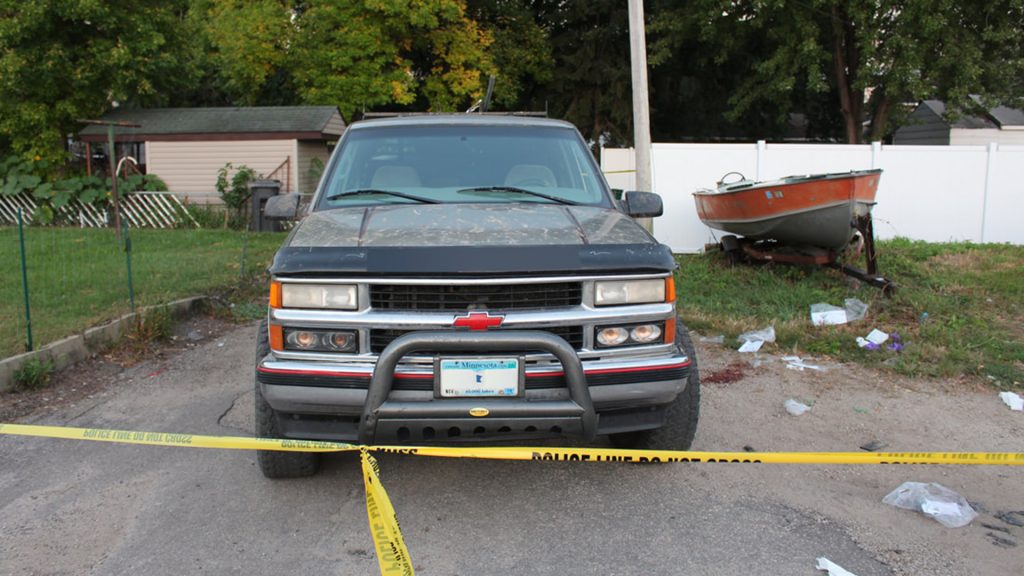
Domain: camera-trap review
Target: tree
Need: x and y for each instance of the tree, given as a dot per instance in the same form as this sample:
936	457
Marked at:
64	60
370	53
875	55
521	51
248	53
590	82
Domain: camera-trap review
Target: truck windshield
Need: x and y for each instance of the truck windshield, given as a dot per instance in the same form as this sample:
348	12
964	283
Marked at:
460	163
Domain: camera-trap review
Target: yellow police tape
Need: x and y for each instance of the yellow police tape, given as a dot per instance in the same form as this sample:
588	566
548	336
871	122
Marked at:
393	556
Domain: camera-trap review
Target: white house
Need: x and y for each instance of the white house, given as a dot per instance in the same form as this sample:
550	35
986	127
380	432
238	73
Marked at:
187	146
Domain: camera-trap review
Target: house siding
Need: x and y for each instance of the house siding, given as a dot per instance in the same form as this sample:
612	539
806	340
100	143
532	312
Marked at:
923	127
983	137
335	125
308	152
190	168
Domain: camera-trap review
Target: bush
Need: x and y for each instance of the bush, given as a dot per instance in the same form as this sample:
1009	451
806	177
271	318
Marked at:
235	192
18	176
33	374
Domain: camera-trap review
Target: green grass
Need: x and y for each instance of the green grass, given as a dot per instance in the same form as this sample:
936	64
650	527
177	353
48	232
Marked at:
973	295
78	278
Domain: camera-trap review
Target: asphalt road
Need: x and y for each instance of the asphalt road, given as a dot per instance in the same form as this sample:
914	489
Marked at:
70	507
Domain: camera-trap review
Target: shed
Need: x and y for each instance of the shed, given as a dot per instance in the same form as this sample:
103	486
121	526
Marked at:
928	125
187	146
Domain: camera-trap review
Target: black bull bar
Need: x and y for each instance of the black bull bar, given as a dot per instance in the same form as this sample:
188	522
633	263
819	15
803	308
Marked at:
388	420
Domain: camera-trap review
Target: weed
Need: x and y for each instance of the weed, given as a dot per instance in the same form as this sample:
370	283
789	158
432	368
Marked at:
33	374
959	307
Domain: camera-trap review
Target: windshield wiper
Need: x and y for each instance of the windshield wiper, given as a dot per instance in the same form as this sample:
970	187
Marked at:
515	190
376	192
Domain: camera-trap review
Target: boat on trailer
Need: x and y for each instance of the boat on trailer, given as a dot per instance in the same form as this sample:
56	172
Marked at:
798	220
819	210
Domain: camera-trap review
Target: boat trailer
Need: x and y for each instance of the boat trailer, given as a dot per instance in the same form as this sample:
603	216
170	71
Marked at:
740	249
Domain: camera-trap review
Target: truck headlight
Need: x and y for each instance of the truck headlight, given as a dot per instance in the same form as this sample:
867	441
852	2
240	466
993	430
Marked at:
331	296
611	293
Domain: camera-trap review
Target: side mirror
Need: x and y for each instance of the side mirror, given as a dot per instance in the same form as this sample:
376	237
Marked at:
282	207
642	204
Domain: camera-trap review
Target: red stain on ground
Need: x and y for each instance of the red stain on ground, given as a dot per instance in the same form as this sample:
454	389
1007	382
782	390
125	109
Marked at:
731	373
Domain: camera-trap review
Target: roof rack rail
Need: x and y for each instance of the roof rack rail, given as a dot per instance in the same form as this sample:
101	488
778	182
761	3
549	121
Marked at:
368	115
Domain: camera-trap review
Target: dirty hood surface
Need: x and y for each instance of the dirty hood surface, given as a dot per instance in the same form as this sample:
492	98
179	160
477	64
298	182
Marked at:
468	239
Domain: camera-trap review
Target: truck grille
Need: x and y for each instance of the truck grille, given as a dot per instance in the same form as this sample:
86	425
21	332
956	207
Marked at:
475	296
381	337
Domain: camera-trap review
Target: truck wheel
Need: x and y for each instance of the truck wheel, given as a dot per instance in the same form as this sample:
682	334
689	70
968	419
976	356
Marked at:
275	464
680	416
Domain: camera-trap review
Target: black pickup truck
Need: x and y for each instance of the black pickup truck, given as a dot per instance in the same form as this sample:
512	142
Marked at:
471	278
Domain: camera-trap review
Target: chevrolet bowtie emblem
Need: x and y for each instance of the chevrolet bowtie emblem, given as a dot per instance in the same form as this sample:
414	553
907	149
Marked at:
478	321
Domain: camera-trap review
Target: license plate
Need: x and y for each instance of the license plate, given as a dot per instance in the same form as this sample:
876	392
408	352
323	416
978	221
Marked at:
479	377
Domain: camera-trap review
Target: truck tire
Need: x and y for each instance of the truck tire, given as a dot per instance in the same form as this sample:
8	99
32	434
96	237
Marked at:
680	416
275	464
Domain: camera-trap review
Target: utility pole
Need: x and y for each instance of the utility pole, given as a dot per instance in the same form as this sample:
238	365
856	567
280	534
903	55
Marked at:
641	111
113	164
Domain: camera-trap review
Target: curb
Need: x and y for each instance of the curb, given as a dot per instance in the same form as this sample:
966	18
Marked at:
76	348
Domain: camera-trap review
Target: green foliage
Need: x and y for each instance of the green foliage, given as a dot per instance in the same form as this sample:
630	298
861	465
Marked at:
153	325
973	296
77	276
19	176
205	215
34	374
869	57
62	61
234	187
249	45
315	170
372	53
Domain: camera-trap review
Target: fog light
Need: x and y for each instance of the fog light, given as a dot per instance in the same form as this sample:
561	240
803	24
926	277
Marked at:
302	339
320	340
341	341
645	333
612	336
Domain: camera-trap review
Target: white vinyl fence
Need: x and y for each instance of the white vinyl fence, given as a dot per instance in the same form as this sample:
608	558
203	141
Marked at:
932	193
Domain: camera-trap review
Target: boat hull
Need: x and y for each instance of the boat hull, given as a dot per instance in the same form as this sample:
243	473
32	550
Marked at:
810	211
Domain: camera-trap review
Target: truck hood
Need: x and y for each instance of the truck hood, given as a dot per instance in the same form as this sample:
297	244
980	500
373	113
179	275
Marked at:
477	239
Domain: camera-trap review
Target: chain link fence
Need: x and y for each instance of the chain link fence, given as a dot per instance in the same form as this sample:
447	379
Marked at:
58	281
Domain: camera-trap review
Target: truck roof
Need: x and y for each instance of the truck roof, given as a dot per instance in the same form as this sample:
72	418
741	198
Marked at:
466	119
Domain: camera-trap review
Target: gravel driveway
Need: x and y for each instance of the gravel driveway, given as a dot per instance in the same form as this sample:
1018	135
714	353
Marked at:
88	508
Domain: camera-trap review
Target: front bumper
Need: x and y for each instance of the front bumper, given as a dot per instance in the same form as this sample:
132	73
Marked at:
377	405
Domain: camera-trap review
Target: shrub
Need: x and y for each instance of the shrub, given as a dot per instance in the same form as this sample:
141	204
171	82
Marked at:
33	374
235	191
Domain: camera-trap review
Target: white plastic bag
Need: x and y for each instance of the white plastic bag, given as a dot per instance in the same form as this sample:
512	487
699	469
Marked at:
944	505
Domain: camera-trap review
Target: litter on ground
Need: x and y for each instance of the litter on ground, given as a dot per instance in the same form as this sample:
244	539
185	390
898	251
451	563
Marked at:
873	340
824	314
855	309
751	345
832	568
753	340
795	408
935	500
1013	400
797	363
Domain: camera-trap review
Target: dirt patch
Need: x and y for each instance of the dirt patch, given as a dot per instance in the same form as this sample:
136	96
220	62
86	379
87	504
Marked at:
94	376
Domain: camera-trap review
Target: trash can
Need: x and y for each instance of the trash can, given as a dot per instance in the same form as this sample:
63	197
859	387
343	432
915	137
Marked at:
261	191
